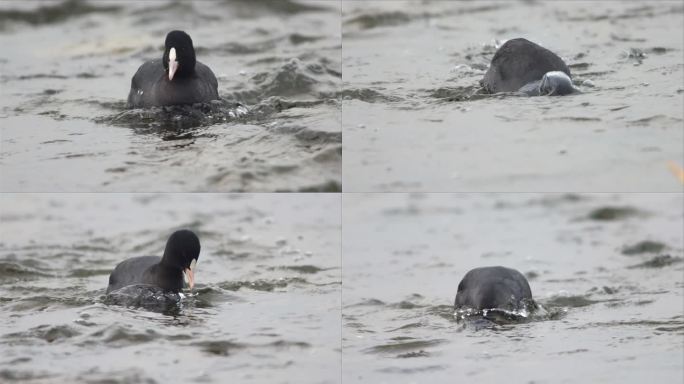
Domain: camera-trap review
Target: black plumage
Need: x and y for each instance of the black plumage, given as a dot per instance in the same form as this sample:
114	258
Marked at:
518	62
493	287
167	81
166	272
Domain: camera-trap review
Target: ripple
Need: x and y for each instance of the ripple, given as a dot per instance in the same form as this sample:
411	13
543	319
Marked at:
11	271
229	347
262	284
49	333
330	186
50	14
294	78
464	93
577	301
121	336
220	347
406	304
676	325
367	303
379	19
404	346
44	302
144	296
659	261
17	375
645	246
408	371
86	272
614	213
368	95
178	116
249	8
306	269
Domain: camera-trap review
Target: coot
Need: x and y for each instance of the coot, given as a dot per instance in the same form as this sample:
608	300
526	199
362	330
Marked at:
521	65
167	272
178	78
494	288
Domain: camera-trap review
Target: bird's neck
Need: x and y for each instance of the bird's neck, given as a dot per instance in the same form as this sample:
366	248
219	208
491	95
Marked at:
169	277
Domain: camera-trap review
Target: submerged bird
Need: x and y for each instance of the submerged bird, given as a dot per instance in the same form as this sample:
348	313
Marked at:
494	288
178	78
520	65
168	272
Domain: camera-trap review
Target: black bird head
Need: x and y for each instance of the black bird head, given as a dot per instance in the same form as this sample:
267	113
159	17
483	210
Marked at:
179	55
181	252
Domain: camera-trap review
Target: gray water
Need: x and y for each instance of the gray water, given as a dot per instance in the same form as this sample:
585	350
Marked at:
410	123
615	304
323	288
265	308
65	74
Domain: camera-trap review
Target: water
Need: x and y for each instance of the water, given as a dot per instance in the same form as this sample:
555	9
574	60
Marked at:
65	74
614	303
410	123
265	308
400	79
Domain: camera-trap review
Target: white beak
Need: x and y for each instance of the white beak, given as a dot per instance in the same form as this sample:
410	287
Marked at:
173	64
189	274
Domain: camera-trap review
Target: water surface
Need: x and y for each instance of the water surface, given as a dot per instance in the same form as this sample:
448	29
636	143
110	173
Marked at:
608	268
410	123
265	308
65	74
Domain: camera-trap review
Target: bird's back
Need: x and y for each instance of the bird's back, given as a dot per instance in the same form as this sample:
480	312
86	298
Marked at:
131	271
150	87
